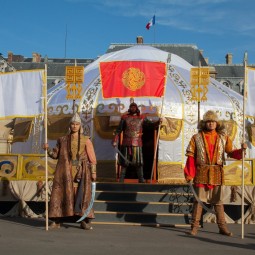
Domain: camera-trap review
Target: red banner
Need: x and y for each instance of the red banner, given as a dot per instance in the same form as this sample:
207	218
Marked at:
132	79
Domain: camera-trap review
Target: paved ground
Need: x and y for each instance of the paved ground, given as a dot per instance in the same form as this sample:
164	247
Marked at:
28	236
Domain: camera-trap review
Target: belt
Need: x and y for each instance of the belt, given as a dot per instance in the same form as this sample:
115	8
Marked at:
208	165
75	162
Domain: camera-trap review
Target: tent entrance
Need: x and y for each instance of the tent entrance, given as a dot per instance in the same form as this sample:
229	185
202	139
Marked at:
149	140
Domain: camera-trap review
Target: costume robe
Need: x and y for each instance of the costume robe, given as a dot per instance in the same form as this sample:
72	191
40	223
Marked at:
206	152
63	198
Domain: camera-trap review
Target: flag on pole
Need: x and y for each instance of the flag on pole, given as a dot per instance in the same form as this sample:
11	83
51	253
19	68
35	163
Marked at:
250	92
132	79
20	94
151	22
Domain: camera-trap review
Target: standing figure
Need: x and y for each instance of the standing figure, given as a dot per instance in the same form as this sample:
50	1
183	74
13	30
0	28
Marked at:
75	170
131	149
205	158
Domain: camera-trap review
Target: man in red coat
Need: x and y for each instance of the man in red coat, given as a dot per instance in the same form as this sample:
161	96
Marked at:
205	158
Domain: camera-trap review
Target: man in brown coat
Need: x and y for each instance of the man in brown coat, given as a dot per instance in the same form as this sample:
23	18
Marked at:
75	170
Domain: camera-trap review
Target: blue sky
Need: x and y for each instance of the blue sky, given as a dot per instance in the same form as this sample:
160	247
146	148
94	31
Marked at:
217	27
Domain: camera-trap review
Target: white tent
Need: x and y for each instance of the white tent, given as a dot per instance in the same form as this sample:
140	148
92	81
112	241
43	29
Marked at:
179	111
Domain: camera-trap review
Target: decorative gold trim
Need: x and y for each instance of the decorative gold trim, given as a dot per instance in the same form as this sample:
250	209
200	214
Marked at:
231	128
233	173
170	129
251	133
28	167
9	166
170	173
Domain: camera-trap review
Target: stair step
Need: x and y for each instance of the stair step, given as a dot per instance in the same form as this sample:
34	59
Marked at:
140	224
135	206
143	204
142	218
144	187
179	197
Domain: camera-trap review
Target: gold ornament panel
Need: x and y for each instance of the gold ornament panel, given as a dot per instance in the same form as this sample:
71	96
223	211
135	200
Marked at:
133	78
33	167
233	172
170	173
170	129
231	128
74	74
25	167
9	165
251	133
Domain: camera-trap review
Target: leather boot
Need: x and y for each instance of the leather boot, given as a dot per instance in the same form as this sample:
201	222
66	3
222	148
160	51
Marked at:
86	224
140	174
196	216
220	217
55	224
122	174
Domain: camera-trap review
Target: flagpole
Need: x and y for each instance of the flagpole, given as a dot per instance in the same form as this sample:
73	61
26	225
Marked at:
156	144
46	153
154	28
243	139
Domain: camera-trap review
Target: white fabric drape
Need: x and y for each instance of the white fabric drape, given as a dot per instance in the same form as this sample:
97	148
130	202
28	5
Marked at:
249	198
24	191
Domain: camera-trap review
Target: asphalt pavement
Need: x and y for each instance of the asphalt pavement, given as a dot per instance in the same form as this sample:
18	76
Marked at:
28	236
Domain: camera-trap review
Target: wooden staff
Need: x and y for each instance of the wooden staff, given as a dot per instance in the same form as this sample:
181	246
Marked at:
243	139
45	141
156	144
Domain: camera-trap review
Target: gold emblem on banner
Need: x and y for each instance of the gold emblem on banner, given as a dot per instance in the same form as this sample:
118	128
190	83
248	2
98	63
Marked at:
133	78
199	79
74	79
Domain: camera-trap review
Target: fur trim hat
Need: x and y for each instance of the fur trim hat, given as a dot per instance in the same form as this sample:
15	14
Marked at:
210	116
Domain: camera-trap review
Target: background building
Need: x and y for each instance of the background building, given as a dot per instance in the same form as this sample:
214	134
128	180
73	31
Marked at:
229	74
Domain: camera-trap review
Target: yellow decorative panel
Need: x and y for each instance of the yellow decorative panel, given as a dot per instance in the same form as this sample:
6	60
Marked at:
33	167
170	173
233	172
9	166
25	167
170	129
74	79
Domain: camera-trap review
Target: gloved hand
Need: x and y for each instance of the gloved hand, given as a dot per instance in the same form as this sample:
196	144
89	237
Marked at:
188	178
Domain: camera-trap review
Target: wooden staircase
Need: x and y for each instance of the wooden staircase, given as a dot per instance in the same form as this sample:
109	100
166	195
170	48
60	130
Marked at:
143	204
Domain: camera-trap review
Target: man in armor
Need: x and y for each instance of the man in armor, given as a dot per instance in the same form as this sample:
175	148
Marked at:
131	149
205	158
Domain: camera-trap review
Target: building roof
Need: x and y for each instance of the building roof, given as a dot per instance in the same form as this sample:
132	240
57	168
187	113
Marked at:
189	52
229	70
